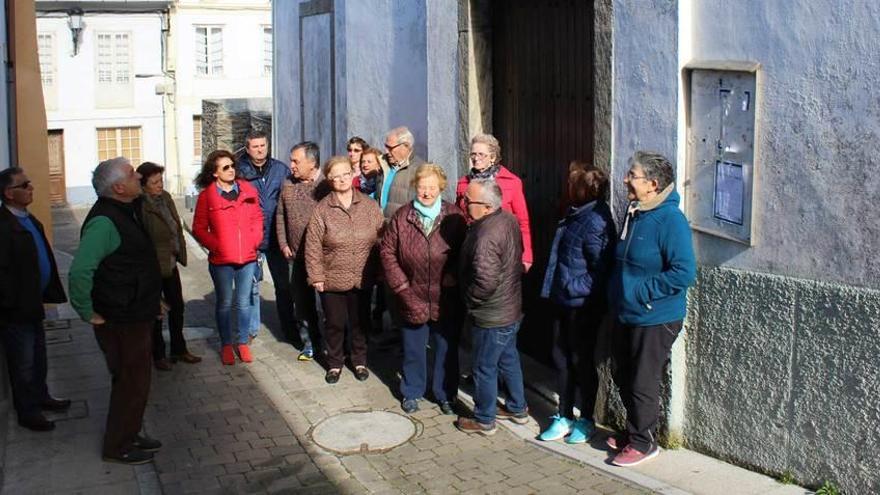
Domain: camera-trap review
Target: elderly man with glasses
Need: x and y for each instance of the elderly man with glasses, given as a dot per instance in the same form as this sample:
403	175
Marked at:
28	278
396	189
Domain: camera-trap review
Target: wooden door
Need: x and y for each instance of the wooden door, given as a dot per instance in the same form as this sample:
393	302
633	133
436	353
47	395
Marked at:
542	71
57	185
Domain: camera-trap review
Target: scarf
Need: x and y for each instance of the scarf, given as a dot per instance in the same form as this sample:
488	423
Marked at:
487	173
368	184
428	214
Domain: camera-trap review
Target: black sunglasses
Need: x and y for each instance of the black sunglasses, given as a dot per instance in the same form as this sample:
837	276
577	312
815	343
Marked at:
23	185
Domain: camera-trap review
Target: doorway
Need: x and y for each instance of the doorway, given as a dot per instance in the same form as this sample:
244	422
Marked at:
57	183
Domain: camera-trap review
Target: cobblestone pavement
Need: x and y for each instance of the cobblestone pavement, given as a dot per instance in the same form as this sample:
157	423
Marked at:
246	428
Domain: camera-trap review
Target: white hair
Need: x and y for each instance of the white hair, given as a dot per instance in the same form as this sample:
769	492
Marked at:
108	173
490	192
402	135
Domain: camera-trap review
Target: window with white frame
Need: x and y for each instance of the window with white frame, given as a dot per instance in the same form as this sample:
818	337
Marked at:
267	50
46	53
114	58
209	50
197	138
119	141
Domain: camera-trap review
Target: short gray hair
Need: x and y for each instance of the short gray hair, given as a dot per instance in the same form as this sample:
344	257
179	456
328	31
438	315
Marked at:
490	192
655	167
311	150
108	173
490	141
402	135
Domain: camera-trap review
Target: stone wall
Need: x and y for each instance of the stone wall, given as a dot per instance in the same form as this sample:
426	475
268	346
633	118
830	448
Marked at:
226	122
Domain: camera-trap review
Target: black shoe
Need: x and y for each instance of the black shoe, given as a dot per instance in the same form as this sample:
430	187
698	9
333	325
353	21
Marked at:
446	408
361	373
409	406
56	405
146	444
132	457
332	376
37	423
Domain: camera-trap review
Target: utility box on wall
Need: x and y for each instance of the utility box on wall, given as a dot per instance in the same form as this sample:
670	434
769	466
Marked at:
719	186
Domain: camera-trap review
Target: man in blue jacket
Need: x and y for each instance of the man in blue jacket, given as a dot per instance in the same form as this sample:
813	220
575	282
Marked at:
654	266
267	175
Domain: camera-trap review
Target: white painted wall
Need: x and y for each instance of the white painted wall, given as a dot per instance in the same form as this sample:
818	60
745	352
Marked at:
74	110
243	76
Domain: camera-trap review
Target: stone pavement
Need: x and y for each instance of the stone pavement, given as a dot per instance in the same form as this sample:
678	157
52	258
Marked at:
246	428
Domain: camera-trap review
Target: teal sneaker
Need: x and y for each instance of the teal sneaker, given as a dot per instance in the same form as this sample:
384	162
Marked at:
581	431
557	429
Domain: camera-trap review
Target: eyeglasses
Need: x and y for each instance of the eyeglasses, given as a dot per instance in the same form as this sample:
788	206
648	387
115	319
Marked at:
23	185
468	202
481	156
391	148
341	177
631	176
355	150
227	167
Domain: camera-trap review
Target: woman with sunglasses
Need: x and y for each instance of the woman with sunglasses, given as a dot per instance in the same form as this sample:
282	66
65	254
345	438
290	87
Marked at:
355	148
228	222
341	254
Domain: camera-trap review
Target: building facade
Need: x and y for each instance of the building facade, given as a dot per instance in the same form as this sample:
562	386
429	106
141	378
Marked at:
770	122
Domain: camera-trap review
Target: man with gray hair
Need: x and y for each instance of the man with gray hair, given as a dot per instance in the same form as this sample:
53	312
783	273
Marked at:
395	189
490	275
115	284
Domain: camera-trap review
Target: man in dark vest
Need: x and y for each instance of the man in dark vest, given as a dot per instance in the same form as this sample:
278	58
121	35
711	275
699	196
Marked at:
28	278
115	282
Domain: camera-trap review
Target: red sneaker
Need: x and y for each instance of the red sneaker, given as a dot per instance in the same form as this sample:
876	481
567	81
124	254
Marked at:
227	356
244	353
630	456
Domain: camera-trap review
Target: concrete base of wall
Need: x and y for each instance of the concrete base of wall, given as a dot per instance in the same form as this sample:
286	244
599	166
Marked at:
782	376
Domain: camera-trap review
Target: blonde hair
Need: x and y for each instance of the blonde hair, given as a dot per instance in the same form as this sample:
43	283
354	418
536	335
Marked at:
333	161
426	170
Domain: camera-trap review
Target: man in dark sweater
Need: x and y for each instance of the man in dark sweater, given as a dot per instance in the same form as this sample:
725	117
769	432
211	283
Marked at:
115	284
490	277
28	278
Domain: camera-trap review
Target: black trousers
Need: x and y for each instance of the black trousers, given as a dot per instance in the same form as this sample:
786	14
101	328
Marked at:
640	356
574	343
343	309
305	308
126	348
279	267
172	293
25	345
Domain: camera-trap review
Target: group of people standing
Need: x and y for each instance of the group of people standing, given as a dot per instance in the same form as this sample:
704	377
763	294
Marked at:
370	227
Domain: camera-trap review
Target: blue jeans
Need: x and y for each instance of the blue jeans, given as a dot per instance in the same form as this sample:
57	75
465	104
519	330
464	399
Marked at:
253	326
233	282
495	353
444	384
25	345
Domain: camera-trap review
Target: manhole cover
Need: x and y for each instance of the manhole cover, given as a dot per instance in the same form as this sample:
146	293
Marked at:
362	432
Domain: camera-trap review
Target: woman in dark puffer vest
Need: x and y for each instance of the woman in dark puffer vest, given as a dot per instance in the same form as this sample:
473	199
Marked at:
419	254
577	272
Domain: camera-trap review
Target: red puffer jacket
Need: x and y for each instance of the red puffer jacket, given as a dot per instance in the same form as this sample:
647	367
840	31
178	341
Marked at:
415	263
513	200
231	231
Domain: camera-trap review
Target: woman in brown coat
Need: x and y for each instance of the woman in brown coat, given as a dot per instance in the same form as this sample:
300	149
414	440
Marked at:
419	251
340	261
163	225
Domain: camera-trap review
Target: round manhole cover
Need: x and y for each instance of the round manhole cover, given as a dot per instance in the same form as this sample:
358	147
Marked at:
363	431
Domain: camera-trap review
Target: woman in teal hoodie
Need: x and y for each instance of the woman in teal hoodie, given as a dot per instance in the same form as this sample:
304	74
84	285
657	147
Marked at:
654	266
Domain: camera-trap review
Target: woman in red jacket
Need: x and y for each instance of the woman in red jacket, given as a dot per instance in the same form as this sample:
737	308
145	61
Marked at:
485	160
228	222
419	251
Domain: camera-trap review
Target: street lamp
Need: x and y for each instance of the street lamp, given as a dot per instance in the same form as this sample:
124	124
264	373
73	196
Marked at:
76	25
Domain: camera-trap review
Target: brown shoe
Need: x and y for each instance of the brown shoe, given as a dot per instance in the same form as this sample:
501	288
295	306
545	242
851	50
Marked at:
471	425
186	357
519	418
162	364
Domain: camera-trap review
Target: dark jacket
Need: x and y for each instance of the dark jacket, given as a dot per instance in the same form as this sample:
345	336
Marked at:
415	263
654	263
21	297
229	230
268	188
128	282
581	257
161	234
491	270
400	191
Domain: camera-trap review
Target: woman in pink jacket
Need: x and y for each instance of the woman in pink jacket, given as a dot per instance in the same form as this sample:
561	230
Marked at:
485	161
228	222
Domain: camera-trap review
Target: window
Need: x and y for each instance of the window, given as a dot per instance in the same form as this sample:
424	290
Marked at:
46	50
113	59
197	137
209	51
267	50
119	141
